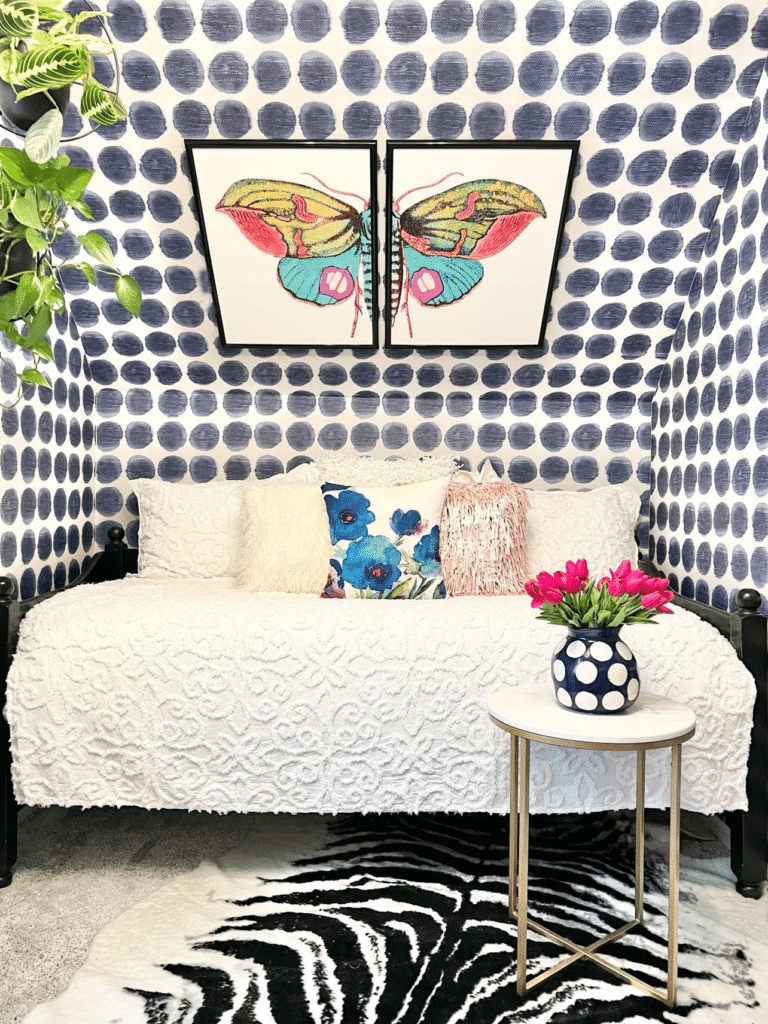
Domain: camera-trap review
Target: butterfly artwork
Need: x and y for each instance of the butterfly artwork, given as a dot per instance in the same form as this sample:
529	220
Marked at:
323	244
438	244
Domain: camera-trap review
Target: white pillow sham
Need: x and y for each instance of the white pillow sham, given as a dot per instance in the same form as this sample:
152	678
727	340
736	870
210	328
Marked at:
598	525
362	470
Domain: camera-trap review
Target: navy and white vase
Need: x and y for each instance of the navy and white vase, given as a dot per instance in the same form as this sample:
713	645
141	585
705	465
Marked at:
595	672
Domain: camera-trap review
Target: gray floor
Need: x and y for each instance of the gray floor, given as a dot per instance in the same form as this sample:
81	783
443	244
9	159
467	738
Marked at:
78	870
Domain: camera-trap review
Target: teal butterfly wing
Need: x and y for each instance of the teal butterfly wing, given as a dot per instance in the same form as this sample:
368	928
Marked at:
320	279
440	280
438	242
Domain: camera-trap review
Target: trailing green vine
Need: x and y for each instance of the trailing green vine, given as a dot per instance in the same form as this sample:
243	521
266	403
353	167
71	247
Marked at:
34	201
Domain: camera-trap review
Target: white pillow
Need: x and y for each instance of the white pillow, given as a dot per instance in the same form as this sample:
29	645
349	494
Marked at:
598	525
284	542
194	529
359	470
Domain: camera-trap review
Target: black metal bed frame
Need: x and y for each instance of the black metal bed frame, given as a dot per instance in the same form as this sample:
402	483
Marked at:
745	628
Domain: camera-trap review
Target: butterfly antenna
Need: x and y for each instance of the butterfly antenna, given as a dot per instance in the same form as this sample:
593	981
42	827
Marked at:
338	191
419	187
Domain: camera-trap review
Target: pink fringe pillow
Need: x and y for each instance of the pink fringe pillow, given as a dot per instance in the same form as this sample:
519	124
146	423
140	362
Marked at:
482	539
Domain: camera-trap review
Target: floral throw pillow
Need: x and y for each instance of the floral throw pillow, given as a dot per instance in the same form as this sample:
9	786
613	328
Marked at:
386	541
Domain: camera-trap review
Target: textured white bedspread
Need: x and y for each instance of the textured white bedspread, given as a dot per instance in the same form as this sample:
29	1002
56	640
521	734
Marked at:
195	695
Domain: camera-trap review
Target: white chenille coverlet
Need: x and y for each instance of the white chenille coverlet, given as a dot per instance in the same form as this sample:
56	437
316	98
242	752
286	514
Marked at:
194	694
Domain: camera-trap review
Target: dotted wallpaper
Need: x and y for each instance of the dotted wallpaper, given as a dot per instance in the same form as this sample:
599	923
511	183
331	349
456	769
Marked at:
658	95
709	508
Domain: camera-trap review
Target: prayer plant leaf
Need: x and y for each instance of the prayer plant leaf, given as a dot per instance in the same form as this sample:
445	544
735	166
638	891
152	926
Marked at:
44	136
18	18
100	105
49	67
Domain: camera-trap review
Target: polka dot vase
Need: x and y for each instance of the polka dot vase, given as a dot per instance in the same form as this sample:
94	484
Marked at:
595	672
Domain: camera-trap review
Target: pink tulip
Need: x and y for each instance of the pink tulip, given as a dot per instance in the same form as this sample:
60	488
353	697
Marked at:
575	576
542	595
547	581
634	582
578	568
658	601
623	569
572	584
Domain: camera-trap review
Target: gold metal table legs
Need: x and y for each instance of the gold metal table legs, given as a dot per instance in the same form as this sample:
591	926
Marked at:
519	779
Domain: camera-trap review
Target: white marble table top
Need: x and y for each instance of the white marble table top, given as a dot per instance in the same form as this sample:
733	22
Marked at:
532	708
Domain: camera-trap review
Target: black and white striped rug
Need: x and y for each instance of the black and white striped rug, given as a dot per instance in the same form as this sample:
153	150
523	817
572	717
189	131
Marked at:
403	920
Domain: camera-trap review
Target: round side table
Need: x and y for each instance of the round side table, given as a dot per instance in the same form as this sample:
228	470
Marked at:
530	712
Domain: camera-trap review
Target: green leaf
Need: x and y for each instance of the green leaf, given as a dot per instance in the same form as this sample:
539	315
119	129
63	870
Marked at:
410	565
399	589
44	136
18	303
128	294
11	333
97	247
30	376
71	182
24	209
17	165
35	241
82	208
37	330
87	269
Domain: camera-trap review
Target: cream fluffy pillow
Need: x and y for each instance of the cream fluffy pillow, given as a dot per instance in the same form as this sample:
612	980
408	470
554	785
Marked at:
284	542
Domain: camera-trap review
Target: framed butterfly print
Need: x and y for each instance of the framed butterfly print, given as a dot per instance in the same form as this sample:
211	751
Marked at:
290	237
474	234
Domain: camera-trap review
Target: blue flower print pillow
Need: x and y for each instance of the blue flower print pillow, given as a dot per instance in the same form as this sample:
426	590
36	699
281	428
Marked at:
386	541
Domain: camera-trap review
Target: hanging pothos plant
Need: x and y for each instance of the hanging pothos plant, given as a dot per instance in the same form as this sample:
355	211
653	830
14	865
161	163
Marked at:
34	202
41	53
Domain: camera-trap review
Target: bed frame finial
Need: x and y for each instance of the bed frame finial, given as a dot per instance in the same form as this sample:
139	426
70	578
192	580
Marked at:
749	600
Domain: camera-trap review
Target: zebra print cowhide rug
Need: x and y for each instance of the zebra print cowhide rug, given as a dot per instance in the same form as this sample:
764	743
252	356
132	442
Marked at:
402	920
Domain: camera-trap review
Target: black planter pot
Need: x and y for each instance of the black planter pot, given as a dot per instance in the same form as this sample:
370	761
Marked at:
22	114
20	259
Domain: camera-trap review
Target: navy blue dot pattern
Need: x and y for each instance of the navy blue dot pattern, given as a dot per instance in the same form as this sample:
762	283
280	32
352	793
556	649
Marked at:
664	223
709	500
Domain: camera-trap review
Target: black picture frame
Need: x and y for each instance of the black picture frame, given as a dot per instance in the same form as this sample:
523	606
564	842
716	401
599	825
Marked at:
476	328
248	299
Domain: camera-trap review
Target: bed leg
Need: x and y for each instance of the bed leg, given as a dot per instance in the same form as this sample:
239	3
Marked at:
9	630
748	856
8	832
749	829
